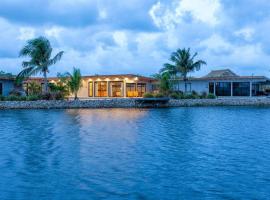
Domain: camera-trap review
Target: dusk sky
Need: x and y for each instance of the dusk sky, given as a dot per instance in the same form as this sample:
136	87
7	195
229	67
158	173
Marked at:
138	36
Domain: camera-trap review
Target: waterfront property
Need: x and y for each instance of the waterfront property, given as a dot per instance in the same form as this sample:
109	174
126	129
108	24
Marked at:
6	85
225	83
110	86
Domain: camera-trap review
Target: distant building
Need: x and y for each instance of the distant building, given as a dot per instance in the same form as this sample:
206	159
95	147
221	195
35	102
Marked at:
7	84
225	83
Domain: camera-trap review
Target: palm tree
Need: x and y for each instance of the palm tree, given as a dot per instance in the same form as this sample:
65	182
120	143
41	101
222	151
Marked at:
39	50
183	63
164	82
75	82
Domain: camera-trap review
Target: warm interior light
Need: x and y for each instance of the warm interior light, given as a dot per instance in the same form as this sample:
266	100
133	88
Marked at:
117	79
126	79
136	78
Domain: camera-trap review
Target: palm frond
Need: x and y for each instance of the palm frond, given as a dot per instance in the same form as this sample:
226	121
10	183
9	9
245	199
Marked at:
56	58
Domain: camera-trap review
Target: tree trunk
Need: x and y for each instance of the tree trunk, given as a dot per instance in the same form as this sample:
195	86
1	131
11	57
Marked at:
76	96
185	81
45	81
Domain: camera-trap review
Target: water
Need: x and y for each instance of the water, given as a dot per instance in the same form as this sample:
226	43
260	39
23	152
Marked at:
183	153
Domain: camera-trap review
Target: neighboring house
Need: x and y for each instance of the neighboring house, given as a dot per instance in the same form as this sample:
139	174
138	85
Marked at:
107	86
7	84
225	83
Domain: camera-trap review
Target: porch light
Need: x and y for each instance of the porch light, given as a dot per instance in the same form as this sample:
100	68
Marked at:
107	79
136	78
117	79
98	79
126	79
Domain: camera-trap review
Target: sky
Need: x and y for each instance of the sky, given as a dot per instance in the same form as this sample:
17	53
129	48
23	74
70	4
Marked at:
138	36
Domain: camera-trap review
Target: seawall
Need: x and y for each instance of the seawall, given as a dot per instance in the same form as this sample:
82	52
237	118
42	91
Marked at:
131	103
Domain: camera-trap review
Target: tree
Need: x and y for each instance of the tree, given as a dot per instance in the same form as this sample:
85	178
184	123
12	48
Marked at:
183	63
75	82
164	82
39	50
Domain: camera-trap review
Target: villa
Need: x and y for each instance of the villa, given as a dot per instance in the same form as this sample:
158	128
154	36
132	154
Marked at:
225	83
110	86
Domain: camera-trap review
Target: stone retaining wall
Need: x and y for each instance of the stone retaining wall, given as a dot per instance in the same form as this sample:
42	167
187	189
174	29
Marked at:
130	103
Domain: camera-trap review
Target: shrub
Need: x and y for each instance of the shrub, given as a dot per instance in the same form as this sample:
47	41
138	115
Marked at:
15	98
32	98
211	96
148	95
203	95
159	95
189	96
2	98
46	96
175	95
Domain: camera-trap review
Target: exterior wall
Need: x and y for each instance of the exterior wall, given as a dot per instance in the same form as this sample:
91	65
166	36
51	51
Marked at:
84	90
197	86
7	86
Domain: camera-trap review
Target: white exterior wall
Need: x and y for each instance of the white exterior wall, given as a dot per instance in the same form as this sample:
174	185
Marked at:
84	93
197	86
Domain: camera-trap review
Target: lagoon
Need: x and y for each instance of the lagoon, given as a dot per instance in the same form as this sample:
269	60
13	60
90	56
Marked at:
176	153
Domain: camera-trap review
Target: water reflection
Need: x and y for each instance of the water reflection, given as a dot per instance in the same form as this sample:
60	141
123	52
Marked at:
135	154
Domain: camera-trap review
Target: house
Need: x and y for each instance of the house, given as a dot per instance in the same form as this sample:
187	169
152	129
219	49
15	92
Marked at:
7	84
109	86
225	83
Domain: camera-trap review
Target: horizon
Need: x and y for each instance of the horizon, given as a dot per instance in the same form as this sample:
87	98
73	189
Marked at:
97	38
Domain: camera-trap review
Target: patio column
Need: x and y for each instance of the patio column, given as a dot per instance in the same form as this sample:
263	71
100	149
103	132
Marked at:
108	88
250	88
125	88
215	88
231	89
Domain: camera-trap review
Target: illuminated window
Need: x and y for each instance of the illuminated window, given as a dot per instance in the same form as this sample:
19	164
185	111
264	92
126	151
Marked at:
116	89
101	89
90	89
131	90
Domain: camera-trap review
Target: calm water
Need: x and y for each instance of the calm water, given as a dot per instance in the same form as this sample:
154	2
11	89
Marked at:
185	153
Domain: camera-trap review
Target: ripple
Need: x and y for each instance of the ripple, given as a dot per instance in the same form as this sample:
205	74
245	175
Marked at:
204	153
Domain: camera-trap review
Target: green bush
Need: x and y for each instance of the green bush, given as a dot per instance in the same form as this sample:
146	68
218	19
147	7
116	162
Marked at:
148	95
177	95
203	95
211	96
159	95
32	98
15	98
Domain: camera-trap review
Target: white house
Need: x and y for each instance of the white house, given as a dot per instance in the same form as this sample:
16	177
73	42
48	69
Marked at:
226	83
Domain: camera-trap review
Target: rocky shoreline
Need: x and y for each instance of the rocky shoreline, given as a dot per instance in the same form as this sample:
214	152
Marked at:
131	103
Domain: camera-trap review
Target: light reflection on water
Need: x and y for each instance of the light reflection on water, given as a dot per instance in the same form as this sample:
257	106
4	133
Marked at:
215	153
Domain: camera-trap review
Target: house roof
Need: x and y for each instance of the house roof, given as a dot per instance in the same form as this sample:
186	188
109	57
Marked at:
7	77
223	75
103	77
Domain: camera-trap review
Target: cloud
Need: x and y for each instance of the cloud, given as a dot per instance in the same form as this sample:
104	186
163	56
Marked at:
168	16
138	36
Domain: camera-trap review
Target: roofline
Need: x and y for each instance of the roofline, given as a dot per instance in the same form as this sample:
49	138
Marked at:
121	76
224	78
